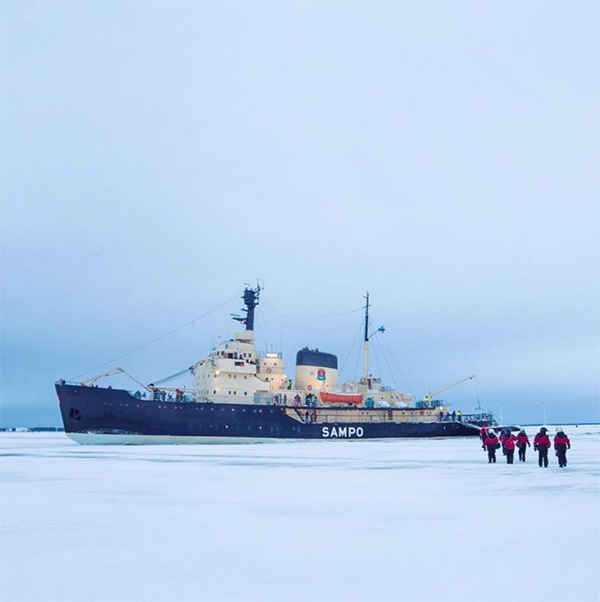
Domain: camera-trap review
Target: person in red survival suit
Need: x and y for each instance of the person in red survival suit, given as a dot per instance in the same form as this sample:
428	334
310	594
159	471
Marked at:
541	443
484	431
509	447
522	444
491	444
504	434
561	444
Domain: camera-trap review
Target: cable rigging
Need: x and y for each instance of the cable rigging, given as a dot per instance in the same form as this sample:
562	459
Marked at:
155	340
317	317
351	348
391	355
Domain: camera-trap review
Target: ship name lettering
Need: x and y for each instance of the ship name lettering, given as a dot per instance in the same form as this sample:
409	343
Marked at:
342	431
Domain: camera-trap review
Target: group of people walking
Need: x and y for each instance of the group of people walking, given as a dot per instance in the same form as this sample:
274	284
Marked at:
541	443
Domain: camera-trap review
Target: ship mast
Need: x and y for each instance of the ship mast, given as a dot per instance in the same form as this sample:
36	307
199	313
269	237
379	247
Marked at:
250	301
366	342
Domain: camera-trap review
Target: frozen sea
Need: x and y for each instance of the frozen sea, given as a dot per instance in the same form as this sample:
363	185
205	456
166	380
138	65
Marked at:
405	520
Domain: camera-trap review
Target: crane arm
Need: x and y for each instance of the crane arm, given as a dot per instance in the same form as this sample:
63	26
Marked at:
90	381
432	394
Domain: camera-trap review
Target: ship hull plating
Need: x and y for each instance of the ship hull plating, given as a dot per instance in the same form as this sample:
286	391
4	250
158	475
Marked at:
93	415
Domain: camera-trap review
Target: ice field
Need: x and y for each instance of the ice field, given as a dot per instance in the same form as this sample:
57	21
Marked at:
404	520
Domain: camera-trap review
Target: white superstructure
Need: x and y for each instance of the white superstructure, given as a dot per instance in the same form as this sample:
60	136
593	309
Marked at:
231	372
234	372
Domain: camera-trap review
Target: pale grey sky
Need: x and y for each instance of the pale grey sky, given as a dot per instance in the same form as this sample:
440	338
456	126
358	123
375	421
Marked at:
442	155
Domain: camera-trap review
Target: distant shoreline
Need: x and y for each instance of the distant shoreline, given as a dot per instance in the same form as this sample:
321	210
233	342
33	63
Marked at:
32	429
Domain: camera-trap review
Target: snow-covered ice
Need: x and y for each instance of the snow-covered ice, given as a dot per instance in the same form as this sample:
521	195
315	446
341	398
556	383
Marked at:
410	520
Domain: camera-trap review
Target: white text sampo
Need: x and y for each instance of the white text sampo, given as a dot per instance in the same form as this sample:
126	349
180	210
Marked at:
342	431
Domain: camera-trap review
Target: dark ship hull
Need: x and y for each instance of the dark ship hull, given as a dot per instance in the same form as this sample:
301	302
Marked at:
95	415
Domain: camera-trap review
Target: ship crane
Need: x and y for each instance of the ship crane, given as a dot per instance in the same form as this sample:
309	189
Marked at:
91	381
432	394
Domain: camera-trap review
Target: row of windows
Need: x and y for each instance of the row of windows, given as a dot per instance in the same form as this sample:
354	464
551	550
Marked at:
207	392
200	407
215	375
197	407
233	355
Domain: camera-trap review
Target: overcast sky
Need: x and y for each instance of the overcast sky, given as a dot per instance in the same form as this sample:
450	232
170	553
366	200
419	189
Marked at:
443	156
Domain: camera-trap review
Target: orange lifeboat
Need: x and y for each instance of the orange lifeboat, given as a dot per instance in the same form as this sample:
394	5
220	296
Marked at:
341	397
